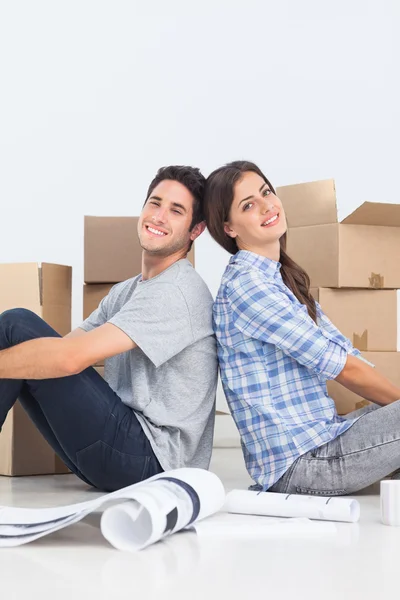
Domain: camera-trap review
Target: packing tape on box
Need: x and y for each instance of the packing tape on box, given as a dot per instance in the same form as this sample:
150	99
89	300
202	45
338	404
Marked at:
362	404
376	281
361	341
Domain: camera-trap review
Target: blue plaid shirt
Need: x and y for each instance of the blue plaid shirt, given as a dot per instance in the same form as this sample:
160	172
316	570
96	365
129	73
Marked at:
274	363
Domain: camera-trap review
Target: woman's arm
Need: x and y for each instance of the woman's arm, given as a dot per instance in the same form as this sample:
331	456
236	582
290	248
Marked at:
358	377
337	336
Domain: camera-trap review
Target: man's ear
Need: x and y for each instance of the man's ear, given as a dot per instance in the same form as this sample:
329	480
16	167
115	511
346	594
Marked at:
197	230
229	231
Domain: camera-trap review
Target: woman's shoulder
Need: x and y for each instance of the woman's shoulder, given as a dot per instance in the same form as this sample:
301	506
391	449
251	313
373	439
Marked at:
240	284
237	274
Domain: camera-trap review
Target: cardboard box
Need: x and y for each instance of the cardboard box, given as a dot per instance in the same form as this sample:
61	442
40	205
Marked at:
387	363
93	295
23	450
357	252
46	290
112	252
100	370
369	318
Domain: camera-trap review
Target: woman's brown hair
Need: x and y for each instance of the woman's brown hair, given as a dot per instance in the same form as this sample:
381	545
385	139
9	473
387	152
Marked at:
218	199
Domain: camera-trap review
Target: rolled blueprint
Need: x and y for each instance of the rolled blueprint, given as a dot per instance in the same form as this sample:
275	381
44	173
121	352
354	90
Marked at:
271	504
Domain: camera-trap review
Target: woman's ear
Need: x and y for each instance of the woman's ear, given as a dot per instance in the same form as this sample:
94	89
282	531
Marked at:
229	231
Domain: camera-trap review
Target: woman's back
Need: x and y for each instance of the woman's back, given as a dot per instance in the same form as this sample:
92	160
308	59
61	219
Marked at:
274	363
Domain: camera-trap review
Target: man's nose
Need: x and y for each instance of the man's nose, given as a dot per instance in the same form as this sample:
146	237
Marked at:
160	215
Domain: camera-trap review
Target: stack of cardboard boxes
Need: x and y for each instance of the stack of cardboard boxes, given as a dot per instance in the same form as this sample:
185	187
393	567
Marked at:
354	269
112	254
46	290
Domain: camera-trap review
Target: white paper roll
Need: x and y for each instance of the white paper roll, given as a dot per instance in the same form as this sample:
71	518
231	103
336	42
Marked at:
293	505
141	521
390	502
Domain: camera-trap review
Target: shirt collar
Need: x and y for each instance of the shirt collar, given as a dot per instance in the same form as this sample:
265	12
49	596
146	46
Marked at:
267	265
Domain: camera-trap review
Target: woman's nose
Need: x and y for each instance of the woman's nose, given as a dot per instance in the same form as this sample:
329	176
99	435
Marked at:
266	206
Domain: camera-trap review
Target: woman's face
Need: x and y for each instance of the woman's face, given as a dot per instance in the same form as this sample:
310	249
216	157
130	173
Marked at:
256	220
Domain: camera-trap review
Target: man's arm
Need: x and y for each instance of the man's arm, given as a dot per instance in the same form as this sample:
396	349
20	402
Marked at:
367	382
46	358
75	333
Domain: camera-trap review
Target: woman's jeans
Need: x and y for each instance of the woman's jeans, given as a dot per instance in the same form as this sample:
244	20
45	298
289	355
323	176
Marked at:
97	436
362	455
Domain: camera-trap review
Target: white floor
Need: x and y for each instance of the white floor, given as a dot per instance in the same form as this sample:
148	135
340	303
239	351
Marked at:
359	561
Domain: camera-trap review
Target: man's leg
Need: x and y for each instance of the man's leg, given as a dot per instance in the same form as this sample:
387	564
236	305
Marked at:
81	417
362	455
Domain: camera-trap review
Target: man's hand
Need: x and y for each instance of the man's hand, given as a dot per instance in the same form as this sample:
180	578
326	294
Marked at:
47	358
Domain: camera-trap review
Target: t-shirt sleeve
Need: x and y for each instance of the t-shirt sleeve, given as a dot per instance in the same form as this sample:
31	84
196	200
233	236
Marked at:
157	320
262	311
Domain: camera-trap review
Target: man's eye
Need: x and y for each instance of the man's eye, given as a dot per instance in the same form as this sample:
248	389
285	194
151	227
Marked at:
155	203
176	211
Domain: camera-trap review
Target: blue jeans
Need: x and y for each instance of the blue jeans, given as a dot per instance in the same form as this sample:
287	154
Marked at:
362	455
97	436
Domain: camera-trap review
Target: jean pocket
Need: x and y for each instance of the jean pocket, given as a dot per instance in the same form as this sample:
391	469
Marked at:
110	470
311	492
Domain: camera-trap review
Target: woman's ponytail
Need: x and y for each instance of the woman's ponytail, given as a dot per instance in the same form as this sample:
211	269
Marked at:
297	280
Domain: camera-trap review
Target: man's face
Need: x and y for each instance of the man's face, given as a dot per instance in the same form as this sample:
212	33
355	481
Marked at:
163	226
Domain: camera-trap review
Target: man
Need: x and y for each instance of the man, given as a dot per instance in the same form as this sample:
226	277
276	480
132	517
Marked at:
155	409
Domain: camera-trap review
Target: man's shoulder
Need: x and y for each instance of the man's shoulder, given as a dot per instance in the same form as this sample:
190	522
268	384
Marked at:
190	281
182	281
120	292
128	284
182	274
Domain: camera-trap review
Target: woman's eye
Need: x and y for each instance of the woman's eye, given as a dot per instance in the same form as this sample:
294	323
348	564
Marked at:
247	206
266	192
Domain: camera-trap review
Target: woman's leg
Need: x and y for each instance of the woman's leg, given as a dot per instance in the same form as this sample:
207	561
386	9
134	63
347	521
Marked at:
80	416
362	455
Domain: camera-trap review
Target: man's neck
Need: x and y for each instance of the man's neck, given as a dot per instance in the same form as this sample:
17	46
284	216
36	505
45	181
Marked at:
154	265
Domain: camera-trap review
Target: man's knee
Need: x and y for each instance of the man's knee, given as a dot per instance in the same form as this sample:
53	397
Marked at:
20	324
17	315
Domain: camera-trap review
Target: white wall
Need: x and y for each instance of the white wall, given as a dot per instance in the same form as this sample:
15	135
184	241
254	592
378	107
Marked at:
95	96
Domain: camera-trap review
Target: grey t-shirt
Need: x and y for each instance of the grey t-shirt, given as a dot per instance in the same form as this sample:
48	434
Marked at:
170	378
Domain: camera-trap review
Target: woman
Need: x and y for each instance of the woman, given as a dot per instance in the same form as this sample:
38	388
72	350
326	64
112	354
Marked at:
277	350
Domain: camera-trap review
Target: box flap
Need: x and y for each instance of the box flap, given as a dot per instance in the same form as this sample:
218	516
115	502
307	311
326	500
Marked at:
56	284
311	203
375	213
19	284
58	317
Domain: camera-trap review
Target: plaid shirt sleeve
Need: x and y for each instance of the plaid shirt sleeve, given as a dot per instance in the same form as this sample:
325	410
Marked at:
262	311
327	326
